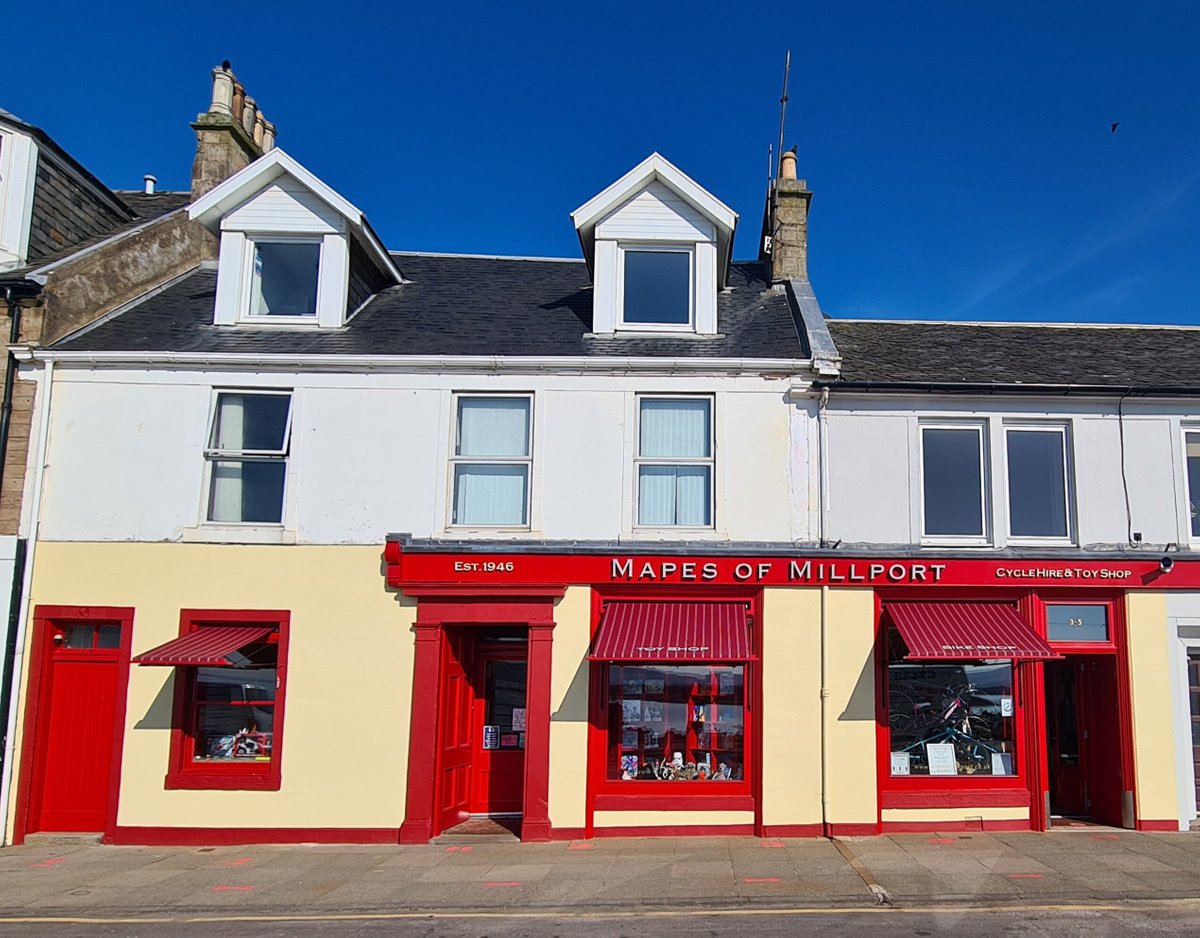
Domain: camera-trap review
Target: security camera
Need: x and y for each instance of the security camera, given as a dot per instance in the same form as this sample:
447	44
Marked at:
1166	565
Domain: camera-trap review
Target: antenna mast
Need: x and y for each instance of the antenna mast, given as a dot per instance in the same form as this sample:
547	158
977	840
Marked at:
783	101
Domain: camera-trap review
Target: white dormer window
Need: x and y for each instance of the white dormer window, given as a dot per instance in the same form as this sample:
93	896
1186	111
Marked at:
658	246
657	288
284	276
286	257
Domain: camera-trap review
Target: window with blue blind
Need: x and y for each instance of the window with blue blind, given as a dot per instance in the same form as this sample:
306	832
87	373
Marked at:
492	461
675	462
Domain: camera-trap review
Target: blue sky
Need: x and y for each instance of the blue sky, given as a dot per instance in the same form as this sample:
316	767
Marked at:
960	153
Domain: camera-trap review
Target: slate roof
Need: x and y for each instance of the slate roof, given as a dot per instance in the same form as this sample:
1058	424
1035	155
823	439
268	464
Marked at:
455	305
975	353
145	208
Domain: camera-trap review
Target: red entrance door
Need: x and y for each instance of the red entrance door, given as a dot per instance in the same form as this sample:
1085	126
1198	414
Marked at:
1083	738
454	747
77	717
498	764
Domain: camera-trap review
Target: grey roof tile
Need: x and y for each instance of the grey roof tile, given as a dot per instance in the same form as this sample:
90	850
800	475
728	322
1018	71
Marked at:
459	306
974	353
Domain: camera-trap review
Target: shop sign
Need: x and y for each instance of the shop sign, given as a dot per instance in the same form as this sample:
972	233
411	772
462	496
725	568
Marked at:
650	570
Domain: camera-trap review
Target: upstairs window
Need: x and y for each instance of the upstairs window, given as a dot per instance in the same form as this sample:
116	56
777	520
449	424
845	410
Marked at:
283	278
675	462
1038	482
492	461
657	288
247	453
952	479
1192	454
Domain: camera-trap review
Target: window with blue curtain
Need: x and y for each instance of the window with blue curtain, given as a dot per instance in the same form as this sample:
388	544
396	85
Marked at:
492	461
675	462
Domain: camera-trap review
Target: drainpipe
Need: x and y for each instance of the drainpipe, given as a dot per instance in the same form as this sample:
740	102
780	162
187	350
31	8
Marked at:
822	522
12	691
822	468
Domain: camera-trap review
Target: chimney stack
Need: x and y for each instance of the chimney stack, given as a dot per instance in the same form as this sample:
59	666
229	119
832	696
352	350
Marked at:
230	134
149	182
784	244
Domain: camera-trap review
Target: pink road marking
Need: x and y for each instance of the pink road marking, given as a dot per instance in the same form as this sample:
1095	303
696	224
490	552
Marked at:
761	879
54	862
772	843
942	840
458	849
1024	875
580	847
1103	836
495	885
232	888
240	861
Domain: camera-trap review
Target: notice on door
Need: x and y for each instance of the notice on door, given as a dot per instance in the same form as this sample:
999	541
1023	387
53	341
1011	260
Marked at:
518	720
491	737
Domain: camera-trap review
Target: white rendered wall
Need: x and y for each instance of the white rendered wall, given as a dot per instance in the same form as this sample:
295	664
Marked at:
370	453
874	469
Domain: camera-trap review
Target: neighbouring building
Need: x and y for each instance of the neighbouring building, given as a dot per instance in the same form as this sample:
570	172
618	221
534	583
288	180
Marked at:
346	544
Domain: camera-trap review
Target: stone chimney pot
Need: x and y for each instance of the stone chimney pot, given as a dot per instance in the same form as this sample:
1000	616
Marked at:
222	92
268	140
239	99
260	127
149	183
787	165
249	115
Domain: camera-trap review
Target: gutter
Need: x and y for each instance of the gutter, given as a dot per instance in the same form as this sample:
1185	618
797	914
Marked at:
985	388
433	363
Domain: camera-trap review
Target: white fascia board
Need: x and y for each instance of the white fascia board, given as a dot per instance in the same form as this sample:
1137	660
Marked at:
456	364
211	207
655	167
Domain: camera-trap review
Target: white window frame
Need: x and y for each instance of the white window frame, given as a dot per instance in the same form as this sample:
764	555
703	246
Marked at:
456	460
247	286
984	538
710	461
656	247
1192	539
212	456
1064	430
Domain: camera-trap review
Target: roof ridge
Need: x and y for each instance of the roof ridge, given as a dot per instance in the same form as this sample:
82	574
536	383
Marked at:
1008	324
487	257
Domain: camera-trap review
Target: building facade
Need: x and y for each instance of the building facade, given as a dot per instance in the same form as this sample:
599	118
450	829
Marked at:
343	544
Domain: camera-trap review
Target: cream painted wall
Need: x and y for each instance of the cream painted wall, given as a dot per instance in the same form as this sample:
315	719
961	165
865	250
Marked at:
569	709
1150	692
850	712
349	691
925	815
671	818
791	706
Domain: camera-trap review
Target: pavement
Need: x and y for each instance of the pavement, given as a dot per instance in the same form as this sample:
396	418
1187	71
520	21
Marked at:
616	875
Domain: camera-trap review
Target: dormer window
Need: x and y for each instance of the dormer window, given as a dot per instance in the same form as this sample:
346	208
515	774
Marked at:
294	253
283	277
658	247
656	288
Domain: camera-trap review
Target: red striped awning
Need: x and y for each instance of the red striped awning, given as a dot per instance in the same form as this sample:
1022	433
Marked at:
966	630
669	631
206	647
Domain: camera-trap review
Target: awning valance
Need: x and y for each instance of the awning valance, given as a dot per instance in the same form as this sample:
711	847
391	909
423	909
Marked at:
206	647
966	630
673	631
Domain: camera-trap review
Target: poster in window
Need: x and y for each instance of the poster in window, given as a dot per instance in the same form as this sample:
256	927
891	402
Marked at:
653	686
1002	763
941	758
725	682
518	719
901	763
508	740
491	737
629	739
654	712
631	711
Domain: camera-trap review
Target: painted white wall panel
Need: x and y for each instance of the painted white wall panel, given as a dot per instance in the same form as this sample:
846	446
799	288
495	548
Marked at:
754	487
869	473
284	207
582	450
656	213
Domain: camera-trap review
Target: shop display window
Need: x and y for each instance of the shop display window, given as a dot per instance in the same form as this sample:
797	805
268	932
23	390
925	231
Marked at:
950	718
676	722
227	729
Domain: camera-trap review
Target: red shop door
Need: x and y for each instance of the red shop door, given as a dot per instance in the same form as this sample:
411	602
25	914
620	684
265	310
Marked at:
454	756
76	722
498	780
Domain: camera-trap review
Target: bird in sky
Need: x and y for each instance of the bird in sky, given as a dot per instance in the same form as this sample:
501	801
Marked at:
1113	128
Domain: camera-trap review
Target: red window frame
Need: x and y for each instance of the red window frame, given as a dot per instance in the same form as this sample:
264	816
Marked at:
944	791
605	794
183	772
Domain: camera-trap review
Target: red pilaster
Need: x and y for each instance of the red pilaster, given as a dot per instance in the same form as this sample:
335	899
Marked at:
422	741
536	823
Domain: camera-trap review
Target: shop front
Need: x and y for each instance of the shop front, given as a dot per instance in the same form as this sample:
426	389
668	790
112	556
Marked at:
788	696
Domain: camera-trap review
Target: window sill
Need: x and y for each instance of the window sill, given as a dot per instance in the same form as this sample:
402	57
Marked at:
221	781
1017	541
956	542
457	532
238	534
676	533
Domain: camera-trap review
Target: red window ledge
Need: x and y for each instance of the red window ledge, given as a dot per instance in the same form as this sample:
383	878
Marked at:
957	798
222	781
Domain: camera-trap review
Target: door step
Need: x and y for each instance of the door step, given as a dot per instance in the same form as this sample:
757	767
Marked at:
482	830
61	839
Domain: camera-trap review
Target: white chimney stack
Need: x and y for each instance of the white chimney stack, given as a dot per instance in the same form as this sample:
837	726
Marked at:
149	181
